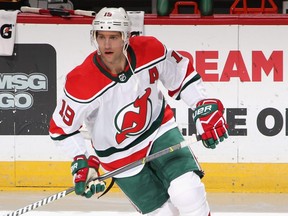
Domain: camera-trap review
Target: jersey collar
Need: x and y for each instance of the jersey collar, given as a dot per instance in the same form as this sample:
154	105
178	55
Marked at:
124	75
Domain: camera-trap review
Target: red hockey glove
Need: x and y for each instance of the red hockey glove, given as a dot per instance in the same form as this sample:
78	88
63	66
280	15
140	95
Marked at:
84	170
210	123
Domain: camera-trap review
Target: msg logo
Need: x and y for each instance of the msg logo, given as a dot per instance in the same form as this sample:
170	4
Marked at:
14	87
21	81
20	101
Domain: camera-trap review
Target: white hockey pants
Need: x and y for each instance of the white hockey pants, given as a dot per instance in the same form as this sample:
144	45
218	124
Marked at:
187	198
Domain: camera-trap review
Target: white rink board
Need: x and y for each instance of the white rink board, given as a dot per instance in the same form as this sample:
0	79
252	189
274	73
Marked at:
72	45
107	213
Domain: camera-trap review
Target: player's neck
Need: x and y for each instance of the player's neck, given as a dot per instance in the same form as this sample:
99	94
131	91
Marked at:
116	67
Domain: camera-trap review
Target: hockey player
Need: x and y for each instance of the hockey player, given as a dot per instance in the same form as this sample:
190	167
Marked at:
115	93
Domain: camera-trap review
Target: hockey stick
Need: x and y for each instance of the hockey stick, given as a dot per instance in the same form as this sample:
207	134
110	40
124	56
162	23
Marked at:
188	142
57	12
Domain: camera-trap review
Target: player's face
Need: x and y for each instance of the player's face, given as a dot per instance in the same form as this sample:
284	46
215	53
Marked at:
110	44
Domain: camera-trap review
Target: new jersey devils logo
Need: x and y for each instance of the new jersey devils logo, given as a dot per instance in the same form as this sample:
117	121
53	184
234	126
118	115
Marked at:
134	118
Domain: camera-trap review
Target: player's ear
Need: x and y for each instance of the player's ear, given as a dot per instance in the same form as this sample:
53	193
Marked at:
93	34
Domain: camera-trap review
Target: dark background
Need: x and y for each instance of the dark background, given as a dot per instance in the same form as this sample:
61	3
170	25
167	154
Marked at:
220	6
27	59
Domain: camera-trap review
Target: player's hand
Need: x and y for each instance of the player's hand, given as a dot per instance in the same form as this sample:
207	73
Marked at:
210	123
84	171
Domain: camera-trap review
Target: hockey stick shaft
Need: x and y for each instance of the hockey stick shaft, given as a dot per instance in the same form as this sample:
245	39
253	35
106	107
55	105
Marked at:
149	158
58	12
188	142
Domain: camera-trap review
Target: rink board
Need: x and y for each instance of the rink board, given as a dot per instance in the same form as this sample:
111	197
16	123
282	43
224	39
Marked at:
242	62
220	177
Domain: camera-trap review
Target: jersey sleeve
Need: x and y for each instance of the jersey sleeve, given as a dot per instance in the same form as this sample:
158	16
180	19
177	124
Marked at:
65	126
72	108
179	77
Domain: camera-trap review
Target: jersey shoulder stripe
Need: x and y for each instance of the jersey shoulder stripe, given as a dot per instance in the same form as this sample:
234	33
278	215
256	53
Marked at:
148	50
85	82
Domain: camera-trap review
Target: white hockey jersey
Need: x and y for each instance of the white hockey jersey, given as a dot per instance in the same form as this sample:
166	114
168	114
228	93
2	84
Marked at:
124	114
